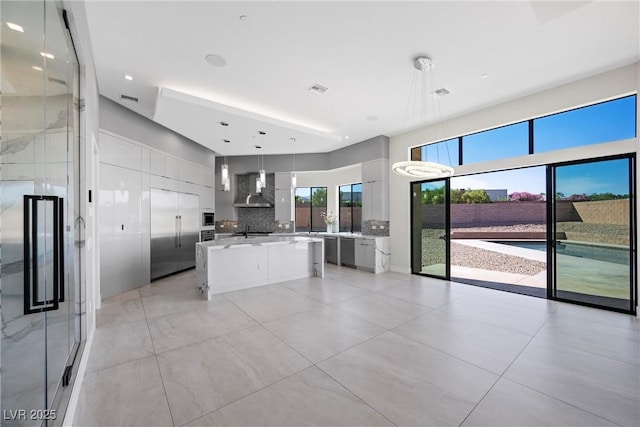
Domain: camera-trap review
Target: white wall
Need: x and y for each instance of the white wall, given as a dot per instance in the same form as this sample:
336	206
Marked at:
612	84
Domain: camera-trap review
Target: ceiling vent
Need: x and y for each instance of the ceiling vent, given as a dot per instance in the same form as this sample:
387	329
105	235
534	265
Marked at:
442	92
318	88
129	98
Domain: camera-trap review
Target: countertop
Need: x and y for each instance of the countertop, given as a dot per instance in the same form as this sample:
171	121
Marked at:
240	241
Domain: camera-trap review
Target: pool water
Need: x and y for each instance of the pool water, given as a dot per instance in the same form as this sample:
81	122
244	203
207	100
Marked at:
617	255
538	246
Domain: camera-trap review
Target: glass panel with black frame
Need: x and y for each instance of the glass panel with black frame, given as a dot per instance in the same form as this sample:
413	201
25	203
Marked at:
318	205
500	143
310	203
593	233
498	230
430	228
594	124
350	208
303	208
443	152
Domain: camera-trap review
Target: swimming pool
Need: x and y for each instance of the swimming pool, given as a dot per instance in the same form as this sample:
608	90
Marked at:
608	253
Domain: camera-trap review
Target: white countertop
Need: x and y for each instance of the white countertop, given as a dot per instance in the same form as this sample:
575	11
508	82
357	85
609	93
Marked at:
240	241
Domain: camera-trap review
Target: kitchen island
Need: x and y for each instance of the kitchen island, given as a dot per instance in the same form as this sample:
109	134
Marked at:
238	263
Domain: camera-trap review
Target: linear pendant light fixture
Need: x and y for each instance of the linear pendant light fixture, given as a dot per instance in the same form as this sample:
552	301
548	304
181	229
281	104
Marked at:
294	181
225	179
423	169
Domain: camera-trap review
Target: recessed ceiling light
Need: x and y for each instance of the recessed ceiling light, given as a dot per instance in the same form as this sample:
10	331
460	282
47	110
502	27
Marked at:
372	118
47	55
35	67
243	17
224	124
484	76
226	141
15	27
215	60
346	137
128	77
262	132
258	147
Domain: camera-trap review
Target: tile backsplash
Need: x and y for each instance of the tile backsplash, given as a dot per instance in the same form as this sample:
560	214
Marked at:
375	227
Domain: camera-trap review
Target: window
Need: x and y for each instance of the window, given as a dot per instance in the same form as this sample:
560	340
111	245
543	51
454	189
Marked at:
443	152
608	121
350	212
494	144
594	124
310	203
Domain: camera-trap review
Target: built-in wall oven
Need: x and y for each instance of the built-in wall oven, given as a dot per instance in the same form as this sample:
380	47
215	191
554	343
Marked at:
208	219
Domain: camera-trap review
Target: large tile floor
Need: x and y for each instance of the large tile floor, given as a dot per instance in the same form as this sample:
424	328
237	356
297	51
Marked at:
358	349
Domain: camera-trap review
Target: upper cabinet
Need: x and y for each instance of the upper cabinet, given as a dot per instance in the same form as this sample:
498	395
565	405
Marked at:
118	152
282	202
375	190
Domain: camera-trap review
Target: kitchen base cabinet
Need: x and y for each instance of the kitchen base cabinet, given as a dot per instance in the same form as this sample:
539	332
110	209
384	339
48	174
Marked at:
331	250
347	252
365	254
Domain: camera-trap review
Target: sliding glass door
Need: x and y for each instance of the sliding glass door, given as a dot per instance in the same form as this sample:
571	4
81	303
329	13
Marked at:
592	236
430	228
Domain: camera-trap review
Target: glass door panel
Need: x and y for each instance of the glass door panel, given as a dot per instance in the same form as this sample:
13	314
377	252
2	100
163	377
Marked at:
430	228
593	233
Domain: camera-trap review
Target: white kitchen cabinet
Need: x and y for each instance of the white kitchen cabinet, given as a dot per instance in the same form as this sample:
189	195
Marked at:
121	257
375	190
224	200
283	204
156	163
171	167
163	183
207	197
365	254
188	172
117	151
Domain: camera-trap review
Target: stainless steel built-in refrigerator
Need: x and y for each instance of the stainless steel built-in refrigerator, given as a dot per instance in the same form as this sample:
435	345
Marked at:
175	229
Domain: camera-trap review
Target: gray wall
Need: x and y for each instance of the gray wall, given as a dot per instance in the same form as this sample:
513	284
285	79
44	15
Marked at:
122	121
364	151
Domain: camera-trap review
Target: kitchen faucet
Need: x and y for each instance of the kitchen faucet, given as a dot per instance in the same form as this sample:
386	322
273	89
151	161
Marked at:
246	232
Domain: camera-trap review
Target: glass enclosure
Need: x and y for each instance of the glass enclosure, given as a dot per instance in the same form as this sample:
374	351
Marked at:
40	176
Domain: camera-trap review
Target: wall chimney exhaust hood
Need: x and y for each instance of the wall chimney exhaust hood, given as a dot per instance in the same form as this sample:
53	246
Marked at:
253	199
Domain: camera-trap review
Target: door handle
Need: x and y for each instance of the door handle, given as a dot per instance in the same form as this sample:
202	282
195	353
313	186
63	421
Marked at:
175	232
33	303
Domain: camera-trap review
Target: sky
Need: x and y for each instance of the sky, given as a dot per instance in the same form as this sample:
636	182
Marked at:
610	176
532	180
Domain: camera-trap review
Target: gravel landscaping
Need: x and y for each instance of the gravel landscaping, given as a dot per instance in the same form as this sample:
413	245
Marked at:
468	256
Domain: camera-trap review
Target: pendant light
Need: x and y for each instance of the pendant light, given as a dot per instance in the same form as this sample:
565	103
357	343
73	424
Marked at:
258	180
294	181
423	169
263	175
225	180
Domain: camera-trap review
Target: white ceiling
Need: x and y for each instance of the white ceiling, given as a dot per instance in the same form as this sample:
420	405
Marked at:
361	51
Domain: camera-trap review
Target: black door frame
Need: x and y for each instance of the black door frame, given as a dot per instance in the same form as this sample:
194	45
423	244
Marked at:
447	235
551	233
